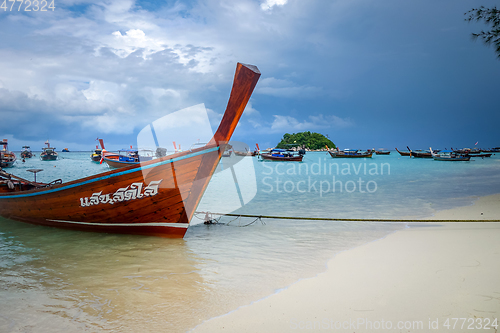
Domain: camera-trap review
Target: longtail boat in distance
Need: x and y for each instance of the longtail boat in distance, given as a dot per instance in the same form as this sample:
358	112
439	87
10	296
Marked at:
277	154
350	153
26	152
155	198
448	155
48	153
419	153
403	153
96	155
7	158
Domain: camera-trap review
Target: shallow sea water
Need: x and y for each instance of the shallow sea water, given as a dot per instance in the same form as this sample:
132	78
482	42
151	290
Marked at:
66	281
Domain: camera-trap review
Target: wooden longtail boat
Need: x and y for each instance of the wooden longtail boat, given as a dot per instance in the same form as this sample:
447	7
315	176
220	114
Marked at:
96	155
48	153
127	157
350	153
156	198
7	158
382	152
449	155
282	155
26	153
419	153
403	153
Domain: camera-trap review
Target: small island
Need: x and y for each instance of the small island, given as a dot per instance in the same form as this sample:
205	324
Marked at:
307	140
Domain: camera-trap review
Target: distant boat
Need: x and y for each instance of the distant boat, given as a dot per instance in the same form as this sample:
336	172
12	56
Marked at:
247	152
350	153
156	198
7	158
419	153
126	157
227	153
403	153
480	155
96	154
382	152
471	152
48	153
277	154
65	150
448	155
26	152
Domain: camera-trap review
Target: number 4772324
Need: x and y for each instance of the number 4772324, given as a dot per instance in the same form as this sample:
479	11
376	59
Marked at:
27	5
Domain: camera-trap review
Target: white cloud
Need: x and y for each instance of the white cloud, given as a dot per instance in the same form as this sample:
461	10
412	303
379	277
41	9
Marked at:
269	4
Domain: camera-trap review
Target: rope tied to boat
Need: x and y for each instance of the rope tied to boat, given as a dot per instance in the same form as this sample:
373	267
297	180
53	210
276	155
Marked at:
210	219
260	217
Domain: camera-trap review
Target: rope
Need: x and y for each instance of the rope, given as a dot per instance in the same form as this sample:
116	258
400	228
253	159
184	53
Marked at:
260	217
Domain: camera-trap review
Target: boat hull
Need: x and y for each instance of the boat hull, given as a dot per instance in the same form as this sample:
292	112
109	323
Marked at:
115	163
341	155
455	159
48	157
403	153
421	155
296	158
151	199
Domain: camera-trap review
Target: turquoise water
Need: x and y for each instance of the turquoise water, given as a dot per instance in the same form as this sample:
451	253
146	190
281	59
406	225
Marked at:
65	281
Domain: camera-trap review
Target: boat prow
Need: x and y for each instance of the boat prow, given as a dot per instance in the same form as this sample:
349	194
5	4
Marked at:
156	198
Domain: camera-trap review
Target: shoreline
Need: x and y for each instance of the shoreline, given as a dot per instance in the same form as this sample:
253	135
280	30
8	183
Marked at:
423	275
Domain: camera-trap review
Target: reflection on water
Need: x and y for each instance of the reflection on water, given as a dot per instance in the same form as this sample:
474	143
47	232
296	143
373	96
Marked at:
59	281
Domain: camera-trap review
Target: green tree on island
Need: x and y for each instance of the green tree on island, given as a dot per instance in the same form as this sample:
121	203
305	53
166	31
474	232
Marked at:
307	139
489	16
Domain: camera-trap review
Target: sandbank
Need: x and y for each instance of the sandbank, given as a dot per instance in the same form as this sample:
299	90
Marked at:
430	277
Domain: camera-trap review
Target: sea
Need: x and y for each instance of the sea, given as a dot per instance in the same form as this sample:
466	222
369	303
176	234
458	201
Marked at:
54	280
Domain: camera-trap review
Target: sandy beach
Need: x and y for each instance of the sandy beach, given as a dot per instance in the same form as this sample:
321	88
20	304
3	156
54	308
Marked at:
430	277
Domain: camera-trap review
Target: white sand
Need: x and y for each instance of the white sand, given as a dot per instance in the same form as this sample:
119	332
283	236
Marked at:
422	277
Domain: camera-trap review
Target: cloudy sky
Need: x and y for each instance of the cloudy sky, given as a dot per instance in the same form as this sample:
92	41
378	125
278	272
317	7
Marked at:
367	73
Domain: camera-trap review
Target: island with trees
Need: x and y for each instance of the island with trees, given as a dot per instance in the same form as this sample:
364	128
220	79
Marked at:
307	140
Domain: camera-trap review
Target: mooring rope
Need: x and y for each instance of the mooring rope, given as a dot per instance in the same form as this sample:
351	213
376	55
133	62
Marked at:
260	217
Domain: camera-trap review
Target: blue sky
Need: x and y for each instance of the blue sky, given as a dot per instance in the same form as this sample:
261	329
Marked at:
367	73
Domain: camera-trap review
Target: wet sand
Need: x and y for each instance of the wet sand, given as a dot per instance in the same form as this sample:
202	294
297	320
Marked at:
428	277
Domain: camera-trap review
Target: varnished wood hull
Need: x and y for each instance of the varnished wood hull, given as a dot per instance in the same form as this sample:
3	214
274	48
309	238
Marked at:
155	198
83	205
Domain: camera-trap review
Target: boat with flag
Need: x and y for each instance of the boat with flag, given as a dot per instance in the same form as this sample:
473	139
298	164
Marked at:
156	198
